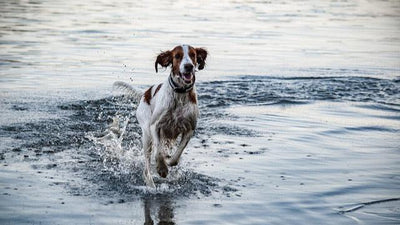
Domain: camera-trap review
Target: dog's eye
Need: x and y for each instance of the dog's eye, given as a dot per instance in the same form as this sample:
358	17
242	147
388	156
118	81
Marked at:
191	55
177	56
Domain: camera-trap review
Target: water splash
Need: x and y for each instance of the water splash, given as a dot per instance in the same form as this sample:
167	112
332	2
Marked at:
123	165
115	157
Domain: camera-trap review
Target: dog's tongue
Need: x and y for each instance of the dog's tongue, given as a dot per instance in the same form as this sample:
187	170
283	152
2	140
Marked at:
187	76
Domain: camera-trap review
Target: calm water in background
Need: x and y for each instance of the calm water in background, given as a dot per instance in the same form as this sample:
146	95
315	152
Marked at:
300	112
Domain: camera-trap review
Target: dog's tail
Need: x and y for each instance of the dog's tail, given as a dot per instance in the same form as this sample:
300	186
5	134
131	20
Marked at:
127	89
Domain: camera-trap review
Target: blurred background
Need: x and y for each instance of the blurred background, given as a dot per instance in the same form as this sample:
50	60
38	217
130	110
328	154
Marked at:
58	44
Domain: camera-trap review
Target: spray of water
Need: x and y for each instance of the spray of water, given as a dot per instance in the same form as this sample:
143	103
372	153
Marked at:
125	164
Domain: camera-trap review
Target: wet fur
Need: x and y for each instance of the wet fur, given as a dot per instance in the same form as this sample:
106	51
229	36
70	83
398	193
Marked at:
165	114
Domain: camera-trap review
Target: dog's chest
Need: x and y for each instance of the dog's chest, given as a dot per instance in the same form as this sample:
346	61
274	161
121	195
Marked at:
180	118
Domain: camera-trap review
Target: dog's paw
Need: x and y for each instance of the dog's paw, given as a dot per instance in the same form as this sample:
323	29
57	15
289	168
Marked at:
162	169
172	162
148	179
150	183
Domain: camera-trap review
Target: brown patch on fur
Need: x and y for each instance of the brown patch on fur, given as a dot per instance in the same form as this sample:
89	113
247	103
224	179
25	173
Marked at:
193	55
170	134
167	58
177	56
157	89
192	97
201	57
147	95
164	59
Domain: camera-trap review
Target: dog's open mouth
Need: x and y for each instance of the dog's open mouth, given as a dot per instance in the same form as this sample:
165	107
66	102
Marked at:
187	77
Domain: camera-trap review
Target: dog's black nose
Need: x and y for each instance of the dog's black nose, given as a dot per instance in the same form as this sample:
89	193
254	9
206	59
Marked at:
188	67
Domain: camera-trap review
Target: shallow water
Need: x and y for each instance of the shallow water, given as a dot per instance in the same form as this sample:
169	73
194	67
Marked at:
300	113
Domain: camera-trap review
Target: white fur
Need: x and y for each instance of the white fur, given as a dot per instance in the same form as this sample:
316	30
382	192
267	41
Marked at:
186	59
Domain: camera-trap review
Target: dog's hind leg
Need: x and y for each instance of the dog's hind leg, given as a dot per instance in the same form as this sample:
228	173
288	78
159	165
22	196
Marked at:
147	147
174	159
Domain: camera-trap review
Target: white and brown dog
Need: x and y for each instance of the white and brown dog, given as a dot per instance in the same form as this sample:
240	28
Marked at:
169	109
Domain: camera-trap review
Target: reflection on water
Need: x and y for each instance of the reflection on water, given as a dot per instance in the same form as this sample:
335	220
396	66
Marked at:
161	209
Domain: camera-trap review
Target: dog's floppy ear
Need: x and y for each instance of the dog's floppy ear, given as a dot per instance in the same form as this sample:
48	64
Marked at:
164	59
201	57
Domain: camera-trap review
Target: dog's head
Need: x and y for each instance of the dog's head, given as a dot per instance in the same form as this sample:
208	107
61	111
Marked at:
184	60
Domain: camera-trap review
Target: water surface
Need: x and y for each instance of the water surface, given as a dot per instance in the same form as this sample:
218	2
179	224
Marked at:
299	101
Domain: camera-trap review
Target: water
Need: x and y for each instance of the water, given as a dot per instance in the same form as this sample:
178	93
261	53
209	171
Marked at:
299	102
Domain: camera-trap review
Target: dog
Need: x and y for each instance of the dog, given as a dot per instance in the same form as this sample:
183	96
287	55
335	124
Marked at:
169	110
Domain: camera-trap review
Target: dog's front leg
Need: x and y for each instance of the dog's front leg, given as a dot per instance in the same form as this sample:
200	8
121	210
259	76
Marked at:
174	159
162	168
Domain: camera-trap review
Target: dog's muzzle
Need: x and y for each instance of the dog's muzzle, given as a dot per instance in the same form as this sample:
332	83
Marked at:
187	77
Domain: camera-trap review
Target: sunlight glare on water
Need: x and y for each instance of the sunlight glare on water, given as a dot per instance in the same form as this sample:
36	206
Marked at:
53	44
